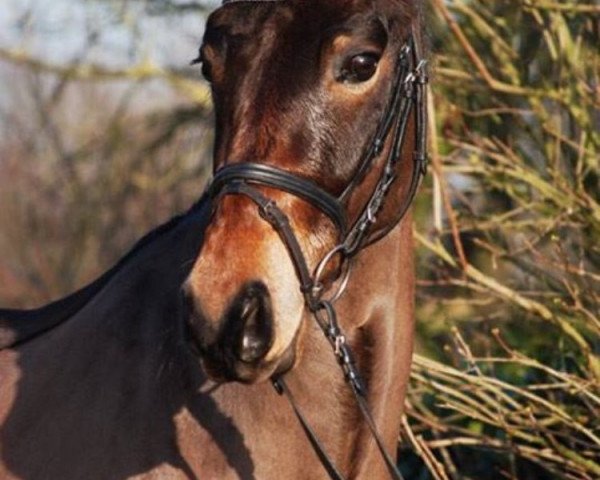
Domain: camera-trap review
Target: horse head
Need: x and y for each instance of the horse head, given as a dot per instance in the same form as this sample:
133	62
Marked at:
300	87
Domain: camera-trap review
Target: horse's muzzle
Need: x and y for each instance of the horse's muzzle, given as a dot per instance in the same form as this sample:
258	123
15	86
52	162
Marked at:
235	347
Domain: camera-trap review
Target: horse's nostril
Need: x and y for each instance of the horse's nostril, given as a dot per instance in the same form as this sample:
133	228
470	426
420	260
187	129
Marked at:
256	333
253	348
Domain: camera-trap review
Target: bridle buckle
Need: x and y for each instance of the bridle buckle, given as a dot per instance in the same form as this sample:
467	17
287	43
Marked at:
339	341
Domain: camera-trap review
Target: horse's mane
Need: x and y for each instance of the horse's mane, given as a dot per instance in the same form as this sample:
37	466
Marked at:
19	326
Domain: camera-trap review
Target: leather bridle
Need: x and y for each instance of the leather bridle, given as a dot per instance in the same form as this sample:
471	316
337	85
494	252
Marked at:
408	96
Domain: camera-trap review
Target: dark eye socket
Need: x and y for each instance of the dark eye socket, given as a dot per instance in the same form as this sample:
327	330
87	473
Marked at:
359	68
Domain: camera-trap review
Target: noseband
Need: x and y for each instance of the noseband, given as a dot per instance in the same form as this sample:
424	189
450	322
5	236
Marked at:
408	96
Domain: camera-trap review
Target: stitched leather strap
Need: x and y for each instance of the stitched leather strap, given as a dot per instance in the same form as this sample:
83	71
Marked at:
367	415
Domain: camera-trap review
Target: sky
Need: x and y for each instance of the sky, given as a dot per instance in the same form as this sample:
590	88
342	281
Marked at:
57	31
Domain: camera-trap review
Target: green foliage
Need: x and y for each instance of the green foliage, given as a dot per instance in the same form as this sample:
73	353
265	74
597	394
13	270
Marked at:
510	282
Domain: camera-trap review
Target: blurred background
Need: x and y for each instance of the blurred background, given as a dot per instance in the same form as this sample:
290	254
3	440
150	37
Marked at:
105	132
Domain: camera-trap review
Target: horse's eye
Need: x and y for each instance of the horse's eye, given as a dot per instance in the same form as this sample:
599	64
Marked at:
359	68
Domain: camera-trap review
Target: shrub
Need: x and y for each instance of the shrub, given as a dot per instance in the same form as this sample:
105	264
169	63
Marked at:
506	380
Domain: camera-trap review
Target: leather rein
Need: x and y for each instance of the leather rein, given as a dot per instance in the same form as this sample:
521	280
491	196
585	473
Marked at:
408	96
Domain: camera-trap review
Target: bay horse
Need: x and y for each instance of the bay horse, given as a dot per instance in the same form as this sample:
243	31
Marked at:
293	270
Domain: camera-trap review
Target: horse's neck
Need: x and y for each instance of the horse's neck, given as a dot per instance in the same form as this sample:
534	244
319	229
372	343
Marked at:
379	316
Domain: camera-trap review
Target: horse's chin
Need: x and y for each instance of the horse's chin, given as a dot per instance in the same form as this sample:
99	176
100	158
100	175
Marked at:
220	369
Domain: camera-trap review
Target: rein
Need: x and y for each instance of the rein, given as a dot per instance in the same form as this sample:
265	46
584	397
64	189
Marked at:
408	96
